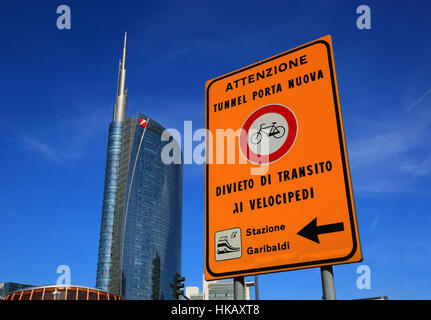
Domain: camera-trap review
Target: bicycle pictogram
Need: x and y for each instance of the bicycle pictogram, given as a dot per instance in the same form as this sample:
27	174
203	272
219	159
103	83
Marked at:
274	131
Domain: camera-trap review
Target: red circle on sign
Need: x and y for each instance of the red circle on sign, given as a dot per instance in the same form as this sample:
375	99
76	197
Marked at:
290	118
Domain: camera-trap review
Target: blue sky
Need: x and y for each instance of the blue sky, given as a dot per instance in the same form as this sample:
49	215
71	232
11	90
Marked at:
58	90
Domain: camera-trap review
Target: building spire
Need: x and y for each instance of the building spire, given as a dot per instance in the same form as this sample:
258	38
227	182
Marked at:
121	100
124	50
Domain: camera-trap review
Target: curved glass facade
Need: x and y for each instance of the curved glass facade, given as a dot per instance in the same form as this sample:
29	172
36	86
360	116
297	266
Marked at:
151	218
146	227
104	264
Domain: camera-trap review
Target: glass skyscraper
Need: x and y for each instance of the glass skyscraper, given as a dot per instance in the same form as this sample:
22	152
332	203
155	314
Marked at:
140	237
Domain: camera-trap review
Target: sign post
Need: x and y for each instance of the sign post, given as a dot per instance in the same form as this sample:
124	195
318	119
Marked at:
278	192
256	287
239	288
328	286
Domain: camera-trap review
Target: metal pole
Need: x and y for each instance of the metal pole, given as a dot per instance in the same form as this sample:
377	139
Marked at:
238	288
256	288
328	286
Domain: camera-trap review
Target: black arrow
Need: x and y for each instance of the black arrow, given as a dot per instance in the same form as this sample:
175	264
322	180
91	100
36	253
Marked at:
311	231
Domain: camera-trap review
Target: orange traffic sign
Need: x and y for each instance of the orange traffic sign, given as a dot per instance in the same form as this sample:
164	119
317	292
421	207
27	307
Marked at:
278	190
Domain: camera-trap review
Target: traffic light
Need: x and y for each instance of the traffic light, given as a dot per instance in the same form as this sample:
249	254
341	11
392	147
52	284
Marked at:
177	286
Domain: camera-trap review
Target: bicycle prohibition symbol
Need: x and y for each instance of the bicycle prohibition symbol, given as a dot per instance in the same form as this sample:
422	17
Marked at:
268	133
274	131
